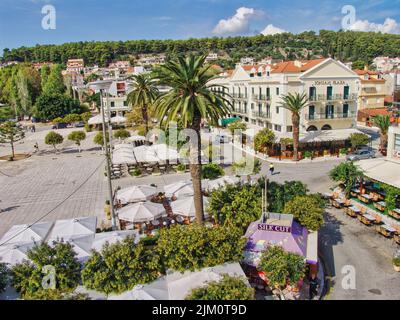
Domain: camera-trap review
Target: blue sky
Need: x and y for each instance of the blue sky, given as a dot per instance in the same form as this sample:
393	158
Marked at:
82	20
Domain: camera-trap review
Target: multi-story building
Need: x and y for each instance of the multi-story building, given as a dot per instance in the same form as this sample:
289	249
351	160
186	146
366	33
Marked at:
75	65
212	56
247	60
372	90
386	64
256	92
393	151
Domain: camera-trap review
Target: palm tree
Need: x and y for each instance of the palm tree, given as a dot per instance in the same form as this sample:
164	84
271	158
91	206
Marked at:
295	103
383	123
190	100
143	95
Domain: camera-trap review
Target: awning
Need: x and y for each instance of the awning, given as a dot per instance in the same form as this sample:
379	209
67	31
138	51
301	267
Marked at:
312	248
328	135
382	170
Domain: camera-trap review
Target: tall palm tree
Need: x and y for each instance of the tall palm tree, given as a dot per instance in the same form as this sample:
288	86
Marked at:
190	100
295	103
383	123
143	95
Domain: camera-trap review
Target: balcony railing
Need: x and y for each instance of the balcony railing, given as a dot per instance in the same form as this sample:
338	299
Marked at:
239	111
261	114
239	96
261	97
328	116
333	97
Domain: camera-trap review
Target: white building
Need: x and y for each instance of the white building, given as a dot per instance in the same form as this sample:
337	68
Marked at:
212	56
75	65
256	92
247	60
386	64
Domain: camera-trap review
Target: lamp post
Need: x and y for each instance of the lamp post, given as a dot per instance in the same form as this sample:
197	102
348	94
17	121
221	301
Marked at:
103	86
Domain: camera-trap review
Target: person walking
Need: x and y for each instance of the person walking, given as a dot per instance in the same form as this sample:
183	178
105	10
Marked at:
36	146
314	284
271	168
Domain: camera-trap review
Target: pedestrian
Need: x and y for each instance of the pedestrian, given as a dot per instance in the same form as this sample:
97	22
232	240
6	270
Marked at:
271	168
36	146
314	284
33	128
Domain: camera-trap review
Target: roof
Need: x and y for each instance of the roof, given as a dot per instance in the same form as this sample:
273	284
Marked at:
293	67
364	72
375	112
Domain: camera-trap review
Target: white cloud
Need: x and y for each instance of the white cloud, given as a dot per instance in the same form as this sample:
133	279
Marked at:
237	24
271	30
389	26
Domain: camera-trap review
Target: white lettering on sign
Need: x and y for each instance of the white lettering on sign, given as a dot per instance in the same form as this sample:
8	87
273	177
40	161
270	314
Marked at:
269	227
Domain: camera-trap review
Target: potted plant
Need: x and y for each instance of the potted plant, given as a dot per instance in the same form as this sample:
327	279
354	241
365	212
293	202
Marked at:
181	168
396	263
307	154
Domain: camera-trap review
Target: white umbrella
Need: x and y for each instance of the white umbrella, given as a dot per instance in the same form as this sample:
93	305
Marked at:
118	119
82	245
136	138
123	158
136	193
165	153
25	233
97	120
185	207
15	253
74	227
221	182
100	239
141	212
181	188
145	154
156	290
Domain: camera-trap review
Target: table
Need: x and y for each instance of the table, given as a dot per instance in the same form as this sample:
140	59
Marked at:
395	213
353	211
338	203
366	198
355	192
386	231
366	219
381	206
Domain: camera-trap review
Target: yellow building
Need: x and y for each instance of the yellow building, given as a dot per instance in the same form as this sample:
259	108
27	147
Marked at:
372	91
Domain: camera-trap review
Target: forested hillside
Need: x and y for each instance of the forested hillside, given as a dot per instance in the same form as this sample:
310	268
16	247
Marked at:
344	45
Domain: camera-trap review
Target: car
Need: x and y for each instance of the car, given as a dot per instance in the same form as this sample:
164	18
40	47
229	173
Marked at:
79	124
361	155
362	147
60	125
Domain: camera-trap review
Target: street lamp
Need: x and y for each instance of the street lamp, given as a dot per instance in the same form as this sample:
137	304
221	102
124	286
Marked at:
104	86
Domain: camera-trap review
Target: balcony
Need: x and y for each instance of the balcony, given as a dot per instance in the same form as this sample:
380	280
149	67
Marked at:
261	97
330	116
333	97
260	114
240	111
239	96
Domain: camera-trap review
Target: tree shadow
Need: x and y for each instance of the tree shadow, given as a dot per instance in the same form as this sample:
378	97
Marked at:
330	236
8	209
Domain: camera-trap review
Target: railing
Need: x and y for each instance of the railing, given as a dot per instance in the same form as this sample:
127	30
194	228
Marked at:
261	114
240	111
333	97
325	116
261	97
239	96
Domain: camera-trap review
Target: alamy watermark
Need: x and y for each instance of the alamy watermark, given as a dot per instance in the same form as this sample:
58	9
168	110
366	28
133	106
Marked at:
50	16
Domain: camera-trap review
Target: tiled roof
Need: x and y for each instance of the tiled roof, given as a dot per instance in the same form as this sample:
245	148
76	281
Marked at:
364	72
292	67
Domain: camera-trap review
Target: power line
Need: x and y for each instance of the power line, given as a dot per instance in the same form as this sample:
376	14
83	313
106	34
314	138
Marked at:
57	206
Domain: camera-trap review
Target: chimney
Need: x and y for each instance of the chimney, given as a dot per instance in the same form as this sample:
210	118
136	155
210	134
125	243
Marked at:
366	67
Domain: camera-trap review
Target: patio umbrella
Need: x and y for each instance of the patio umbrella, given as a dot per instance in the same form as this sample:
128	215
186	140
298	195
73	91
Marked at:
100	239
118	119
141	212
13	254
185	207
97	120
74	227
221	182
165	153
82	245
136	194
145	154
26	233
156	290
136	138
180	188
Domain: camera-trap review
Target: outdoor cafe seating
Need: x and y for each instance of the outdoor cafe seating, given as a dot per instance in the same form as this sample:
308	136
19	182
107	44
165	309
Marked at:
367	219
353	211
386	231
365	198
395	213
381	206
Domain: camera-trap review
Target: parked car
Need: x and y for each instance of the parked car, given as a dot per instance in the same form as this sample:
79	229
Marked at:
361	155
79	124
60	125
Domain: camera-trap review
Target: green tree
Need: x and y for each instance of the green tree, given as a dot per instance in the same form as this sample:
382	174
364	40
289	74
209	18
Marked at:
86	116
347	173
247	168
195	247
98	139
72	117
27	276
11	133
236	205
190	100
359	65
53	139
4	276
263	140
227	288
55	82
51	106
212	171
383	123
237	126
44	74
122	134
77	137
143	95
281	268
358	139
120	267
295	103
308	210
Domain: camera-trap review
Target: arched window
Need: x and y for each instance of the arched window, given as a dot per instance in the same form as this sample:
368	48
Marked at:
326	127
312	128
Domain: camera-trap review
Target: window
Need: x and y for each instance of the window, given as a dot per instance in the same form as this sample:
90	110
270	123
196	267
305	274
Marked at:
289	129
311	112
397	142
252	106
329	112
112	104
259	74
329	92
312	93
252	90
277	110
277	127
125	103
345	110
268	93
277	91
346	92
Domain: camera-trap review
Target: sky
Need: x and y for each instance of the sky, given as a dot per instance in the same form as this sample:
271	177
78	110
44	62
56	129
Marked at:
87	20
